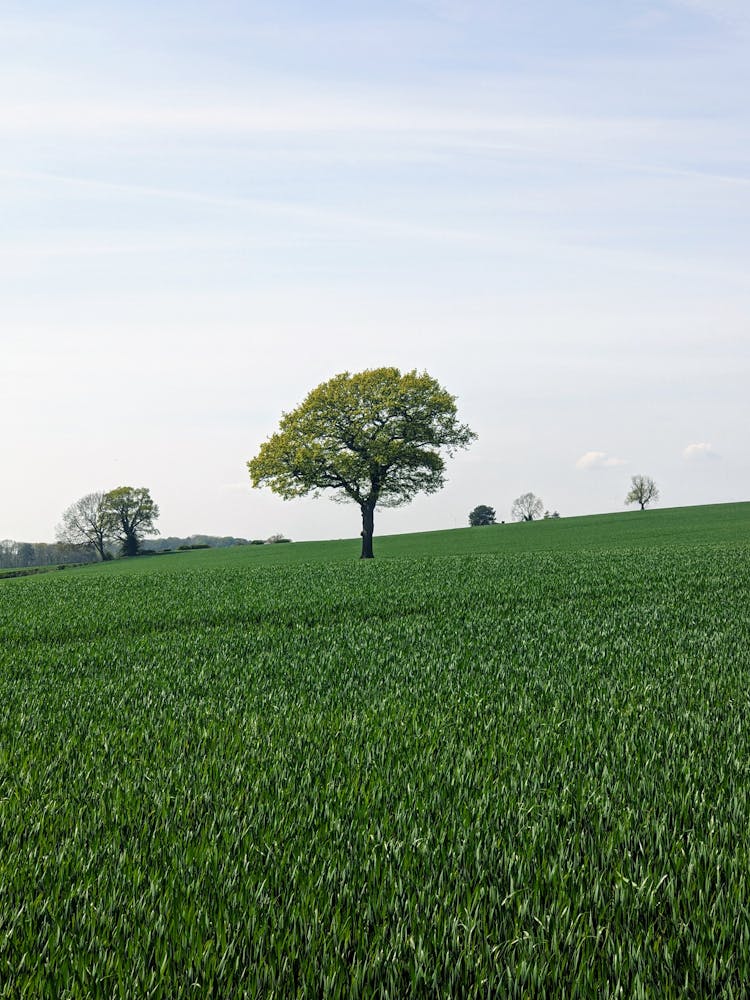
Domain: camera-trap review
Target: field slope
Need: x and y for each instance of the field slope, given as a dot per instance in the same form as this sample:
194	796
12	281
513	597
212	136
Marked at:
670	527
496	762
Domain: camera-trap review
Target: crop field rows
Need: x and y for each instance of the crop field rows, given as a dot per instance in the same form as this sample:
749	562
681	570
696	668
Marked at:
516	775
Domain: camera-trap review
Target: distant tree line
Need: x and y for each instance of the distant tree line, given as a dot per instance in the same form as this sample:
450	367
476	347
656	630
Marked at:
172	542
20	555
102	525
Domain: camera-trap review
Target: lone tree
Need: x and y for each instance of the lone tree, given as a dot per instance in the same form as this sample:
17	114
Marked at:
86	522
481	515
643	490
375	437
130	514
527	507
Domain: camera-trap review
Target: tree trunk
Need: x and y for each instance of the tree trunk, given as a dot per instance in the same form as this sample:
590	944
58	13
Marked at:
368	525
130	544
99	546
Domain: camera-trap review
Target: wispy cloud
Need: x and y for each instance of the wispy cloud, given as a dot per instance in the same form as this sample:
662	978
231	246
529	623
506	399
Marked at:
311	215
700	451
593	461
299	108
733	12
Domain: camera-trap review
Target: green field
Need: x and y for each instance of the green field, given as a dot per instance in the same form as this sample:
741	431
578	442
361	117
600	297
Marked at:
507	761
670	527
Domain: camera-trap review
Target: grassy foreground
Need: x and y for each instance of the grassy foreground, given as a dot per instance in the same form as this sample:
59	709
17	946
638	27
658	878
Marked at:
522	772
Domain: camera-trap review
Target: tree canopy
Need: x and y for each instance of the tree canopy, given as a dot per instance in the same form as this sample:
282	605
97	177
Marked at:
87	522
527	507
482	515
130	514
375	437
643	490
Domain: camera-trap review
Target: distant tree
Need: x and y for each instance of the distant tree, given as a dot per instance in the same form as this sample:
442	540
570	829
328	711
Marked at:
552	516
527	507
87	522
277	539
130	514
26	554
375	437
643	490
481	515
7	553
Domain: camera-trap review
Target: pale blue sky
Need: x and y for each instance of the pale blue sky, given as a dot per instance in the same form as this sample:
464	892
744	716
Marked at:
205	210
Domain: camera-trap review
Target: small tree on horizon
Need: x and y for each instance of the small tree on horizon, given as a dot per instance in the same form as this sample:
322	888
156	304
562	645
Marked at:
643	490
527	507
481	516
